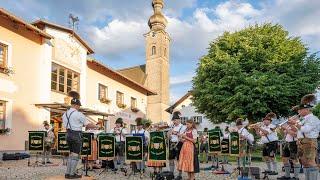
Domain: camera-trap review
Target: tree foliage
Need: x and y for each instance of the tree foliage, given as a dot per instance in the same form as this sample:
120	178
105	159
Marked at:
252	72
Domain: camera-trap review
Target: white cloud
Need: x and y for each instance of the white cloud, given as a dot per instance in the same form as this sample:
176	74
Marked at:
117	37
181	79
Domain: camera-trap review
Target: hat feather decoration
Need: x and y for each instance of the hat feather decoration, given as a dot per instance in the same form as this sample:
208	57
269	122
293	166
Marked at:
271	115
139	121
74	94
309	99
176	115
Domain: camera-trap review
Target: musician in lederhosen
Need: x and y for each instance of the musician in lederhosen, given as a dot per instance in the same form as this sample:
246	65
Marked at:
73	121
48	142
309	130
204	147
289	148
140	131
269	138
245	138
226	138
175	143
119	132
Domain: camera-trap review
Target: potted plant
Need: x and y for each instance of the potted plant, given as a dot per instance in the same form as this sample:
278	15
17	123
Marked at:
122	106
4	131
105	100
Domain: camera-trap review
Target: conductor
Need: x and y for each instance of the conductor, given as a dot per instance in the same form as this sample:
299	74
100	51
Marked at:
73	121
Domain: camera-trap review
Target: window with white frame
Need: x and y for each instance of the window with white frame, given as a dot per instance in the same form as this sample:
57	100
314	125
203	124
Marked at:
133	102
3	55
64	80
197	119
120	98
103	92
2	114
183	120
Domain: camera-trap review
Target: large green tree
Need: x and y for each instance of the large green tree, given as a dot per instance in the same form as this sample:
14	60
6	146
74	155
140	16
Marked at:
253	71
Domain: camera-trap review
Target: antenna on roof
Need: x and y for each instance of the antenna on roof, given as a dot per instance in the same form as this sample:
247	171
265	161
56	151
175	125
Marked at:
73	21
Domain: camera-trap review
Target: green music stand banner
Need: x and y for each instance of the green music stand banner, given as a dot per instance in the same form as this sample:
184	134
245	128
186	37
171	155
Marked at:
214	141
106	147
157	147
62	142
234	143
36	141
86	144
225	146
134	149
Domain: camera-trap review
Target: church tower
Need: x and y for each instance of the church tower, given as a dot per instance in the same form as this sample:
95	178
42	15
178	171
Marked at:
157	64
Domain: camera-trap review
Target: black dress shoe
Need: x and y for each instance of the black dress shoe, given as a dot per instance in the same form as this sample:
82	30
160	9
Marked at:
66	176
283	178
75	176
273	173
178	178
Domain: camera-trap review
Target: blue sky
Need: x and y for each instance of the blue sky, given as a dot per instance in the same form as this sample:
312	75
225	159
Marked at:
115	28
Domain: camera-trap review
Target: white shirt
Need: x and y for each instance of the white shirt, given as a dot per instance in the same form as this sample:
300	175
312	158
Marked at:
180	129
119	133
272	136
245	133
290	138
226	135
142	131
77	120
310	126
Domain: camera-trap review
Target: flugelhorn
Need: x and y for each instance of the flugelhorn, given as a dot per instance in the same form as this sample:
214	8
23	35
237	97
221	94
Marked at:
258	124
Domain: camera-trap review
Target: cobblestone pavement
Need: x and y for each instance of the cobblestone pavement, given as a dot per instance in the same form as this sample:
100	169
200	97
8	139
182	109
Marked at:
19	170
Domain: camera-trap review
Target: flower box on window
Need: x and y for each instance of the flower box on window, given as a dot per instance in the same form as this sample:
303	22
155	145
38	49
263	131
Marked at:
6	70
134	109
122	106
4	131
105	100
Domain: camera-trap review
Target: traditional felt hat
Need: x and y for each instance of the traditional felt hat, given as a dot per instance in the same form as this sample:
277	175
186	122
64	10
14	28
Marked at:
75	98
119	121
176	115
270	116
139	121
307	101
239	122
45	123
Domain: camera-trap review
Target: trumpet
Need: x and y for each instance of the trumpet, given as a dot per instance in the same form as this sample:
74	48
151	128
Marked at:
252	126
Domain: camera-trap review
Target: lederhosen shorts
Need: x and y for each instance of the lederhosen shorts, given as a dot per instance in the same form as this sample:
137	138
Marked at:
74	140
120	148
290	150
269	149
174	152
204	147
307	150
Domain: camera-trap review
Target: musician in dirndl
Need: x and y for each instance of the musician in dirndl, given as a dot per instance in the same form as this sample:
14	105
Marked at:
140	131
175	143
269	138
308	132
290	149
119	132
188	158
245	138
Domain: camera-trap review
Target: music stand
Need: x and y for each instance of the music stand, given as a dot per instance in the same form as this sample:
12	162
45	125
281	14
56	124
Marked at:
36	145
